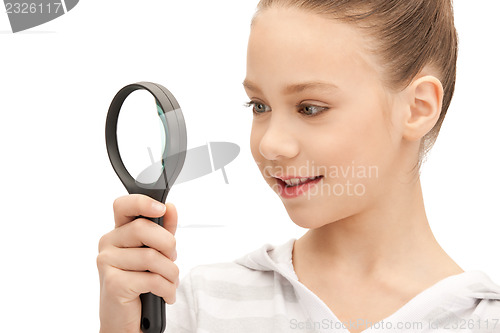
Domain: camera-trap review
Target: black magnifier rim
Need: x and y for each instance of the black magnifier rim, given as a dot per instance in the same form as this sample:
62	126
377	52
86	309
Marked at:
176	140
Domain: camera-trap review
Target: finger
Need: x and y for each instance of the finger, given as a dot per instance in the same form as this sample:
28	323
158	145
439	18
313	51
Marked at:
143	232
170	218
141	260
127	208
132	284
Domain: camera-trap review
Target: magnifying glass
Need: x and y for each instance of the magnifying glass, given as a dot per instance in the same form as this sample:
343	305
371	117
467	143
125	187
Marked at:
145	129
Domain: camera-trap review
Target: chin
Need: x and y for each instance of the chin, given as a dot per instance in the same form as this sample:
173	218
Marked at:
310	217
308	220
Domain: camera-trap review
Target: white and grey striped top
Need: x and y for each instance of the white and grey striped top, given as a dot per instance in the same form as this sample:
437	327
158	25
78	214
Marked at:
260	292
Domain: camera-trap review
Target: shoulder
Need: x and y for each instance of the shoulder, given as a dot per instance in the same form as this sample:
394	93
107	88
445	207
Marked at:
206	292
469	302
227	279
227	297
264	266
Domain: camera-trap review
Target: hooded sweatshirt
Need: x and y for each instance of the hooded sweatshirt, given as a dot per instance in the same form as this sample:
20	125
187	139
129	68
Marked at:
260	292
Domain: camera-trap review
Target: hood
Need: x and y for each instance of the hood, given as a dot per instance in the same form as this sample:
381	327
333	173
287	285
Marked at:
471	284
468	295
271	258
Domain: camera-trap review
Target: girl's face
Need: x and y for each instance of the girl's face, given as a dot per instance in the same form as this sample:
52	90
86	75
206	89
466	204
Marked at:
321	109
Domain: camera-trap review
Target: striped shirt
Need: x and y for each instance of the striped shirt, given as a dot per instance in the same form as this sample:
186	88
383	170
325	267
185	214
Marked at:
260	292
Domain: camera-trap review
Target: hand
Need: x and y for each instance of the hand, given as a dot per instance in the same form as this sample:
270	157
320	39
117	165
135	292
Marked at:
122	261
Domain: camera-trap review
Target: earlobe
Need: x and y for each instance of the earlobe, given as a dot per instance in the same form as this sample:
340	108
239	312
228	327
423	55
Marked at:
426	100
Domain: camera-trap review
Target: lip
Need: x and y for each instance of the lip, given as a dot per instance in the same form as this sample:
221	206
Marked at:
287	177
295	191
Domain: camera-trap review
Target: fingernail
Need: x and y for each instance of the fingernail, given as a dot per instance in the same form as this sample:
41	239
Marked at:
159	207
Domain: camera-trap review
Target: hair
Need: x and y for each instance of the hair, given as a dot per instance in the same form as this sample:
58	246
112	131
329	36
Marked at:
408	35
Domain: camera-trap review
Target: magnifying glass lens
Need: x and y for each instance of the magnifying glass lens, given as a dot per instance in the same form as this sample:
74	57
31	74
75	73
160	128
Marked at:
163	127
141	136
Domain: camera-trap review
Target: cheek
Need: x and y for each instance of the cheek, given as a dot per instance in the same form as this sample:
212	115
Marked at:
368	135
255	137
356	151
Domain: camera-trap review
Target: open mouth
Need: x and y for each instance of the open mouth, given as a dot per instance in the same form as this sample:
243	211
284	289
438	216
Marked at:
297	182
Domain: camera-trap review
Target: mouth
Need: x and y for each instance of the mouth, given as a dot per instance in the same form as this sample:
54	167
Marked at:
292	182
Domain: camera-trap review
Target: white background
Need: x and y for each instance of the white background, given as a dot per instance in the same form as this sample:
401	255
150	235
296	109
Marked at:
57	185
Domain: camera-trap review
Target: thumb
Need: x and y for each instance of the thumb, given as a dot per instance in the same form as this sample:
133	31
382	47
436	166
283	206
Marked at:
170	218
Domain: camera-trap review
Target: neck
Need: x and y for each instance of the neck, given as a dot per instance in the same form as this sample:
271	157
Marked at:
392	235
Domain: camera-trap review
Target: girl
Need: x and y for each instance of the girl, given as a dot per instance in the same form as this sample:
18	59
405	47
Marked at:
348	97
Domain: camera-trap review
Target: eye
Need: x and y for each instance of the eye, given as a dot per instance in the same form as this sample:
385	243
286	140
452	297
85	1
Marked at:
257	107
305	109
311	110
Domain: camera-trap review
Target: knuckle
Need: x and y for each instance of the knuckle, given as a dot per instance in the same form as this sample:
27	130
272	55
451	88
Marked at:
113	282
150	256
137	226
157	282
103	241
170	300
168	239
100	261
175	270
170	294
166	242
117	203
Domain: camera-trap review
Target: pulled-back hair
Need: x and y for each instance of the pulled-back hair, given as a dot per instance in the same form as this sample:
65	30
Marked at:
408	35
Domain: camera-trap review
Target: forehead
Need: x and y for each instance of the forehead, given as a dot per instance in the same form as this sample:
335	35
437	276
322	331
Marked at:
290	44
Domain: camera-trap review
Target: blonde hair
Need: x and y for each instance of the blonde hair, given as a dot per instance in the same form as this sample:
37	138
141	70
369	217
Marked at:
409	34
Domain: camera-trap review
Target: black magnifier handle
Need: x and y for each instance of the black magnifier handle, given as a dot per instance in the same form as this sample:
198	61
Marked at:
153	315
153	307
153	319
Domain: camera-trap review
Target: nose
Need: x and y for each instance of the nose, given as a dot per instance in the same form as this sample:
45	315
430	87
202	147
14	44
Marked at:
279	140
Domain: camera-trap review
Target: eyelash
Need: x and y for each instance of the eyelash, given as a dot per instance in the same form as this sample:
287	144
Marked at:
301	106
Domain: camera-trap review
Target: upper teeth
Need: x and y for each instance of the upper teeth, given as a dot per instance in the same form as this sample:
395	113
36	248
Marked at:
296	181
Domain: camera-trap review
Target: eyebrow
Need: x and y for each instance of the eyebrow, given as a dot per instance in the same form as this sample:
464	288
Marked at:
295	88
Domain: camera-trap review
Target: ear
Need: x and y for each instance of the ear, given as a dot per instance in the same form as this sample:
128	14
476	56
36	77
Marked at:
425	103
